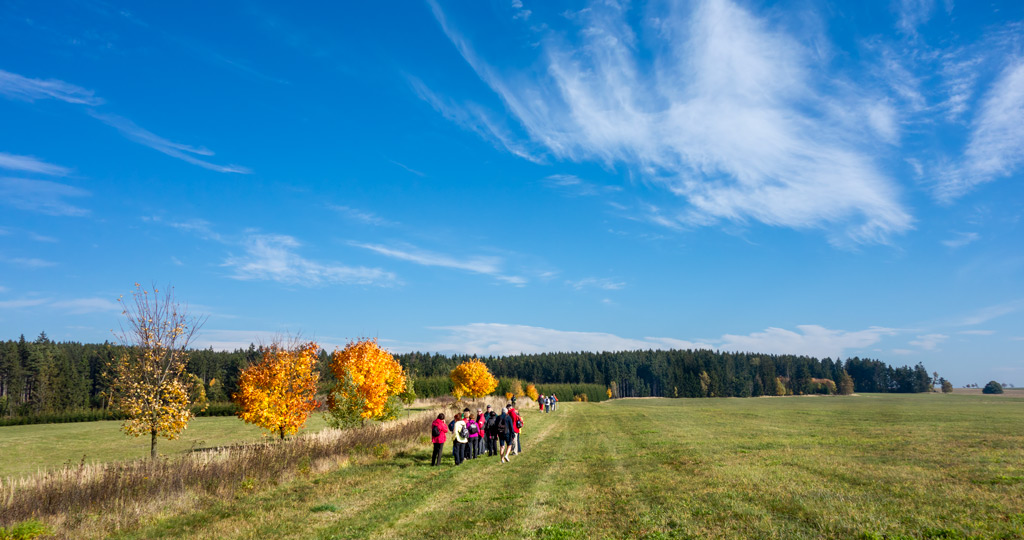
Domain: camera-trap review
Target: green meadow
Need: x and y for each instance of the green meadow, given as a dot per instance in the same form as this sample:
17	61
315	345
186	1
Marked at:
868	466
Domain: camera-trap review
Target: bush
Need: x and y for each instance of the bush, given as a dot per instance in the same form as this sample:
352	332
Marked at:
992	388
24	531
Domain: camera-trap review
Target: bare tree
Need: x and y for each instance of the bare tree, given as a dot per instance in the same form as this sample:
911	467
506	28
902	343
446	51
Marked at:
150	384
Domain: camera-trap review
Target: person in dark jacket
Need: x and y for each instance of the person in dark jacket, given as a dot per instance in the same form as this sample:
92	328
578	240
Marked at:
491	431
505	436
441	429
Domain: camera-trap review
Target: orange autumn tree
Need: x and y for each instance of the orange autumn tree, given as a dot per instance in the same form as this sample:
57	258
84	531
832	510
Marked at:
531	392
278	393
472	378
370	383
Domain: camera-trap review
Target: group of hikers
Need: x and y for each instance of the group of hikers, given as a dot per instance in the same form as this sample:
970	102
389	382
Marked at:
488	432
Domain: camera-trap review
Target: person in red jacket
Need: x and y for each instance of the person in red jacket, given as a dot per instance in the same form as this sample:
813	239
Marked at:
437	432
517	421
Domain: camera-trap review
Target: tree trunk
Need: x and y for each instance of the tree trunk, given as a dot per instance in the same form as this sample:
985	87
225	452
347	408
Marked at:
282	433
152	444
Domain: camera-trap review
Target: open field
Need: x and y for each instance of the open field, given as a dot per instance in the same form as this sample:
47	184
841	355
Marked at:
903	466
31	448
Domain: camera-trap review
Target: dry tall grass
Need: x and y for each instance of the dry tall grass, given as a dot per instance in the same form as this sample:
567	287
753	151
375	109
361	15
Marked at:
124	492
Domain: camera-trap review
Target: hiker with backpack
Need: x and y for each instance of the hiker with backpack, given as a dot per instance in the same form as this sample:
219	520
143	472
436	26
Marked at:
491	431
481	422
473	446
554	402
517	424
460	440
437	436
540	402
503	429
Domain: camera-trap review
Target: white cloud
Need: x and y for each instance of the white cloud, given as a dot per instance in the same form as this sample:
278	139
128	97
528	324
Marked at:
811	340
914	13
597	283
478	264
80	306
41	196
929	342
977	332
22	303
229	340
273	257
988	313
183	152
31	262
362	216
716	110
574	185
500	339
961	239
22	88
996	146
31	164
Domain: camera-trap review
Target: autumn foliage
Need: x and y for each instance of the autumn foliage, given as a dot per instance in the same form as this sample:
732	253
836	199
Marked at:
473	379
369	381
531	392
278	393
150	384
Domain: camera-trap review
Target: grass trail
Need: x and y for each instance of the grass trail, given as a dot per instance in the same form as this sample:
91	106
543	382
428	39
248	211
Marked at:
903	466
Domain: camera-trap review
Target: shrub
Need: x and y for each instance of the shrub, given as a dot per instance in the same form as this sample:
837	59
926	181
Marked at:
24	531
992	388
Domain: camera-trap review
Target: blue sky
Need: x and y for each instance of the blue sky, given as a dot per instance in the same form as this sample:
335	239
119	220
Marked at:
840	178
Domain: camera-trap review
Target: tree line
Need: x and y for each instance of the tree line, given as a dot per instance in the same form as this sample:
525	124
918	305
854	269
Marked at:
42	376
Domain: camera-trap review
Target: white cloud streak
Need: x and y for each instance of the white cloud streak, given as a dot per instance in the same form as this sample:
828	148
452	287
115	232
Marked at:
961	239
15	86
362	216
929	342
273	257
31	164
996	145
606	284
41	196
502	339
487	265
73	306
988	313
720	118
184	152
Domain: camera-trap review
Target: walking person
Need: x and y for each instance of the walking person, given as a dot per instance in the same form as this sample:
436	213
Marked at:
540	402
473	446
517	424
461	438
491	431
504	431
554	402
481	441
438	429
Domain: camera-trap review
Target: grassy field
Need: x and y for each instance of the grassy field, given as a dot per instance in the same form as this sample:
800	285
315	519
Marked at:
27	449
872	466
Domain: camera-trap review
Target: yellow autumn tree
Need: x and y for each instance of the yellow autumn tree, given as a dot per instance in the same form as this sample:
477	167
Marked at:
370	383
531	392
472	378
278	393
150	385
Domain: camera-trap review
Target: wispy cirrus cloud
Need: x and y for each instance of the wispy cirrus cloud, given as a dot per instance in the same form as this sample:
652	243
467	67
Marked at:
929	342
31	164
180	151
274	257
504	339
72	306
606	284
31	262
43	196
22	88
478	264
362	216
996	145
961	239
988	313
722	110
574	185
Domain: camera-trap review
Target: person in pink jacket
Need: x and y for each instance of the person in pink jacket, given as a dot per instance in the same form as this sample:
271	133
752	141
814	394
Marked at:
438	429
517	421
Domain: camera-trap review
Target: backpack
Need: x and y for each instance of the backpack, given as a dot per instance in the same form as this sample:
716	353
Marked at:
519	423
463	433
435	431
473	429
502	428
